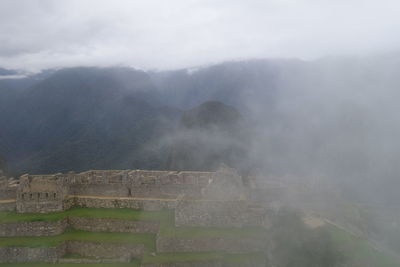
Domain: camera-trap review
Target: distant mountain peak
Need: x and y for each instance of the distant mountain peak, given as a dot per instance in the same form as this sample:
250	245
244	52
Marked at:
209	114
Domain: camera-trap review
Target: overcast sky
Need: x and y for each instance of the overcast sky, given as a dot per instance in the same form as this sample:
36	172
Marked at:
167	34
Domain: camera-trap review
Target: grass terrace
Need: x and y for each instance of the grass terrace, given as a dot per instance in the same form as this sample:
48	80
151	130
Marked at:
128	214
73	235
357	249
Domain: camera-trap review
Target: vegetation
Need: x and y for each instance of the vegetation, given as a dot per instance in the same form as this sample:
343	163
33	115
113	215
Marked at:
51	241
127	214
291	242
358	251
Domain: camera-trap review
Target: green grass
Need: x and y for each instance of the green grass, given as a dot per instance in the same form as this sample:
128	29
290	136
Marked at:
243	258
359	252
159	258
182	257
128	214
203	256
73	235
165	217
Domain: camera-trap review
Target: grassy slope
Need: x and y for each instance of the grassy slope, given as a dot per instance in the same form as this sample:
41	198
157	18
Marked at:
166	219
128	214
359	252
51	241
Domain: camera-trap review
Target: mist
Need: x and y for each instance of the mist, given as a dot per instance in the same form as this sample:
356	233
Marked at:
298	97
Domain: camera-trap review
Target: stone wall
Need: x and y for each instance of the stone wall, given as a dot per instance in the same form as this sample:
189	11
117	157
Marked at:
113	225
42	193
7	205
105	250
49	193
229	245
139	183
48	228
25	254
39	206
218	214
137	204
111	190
33	228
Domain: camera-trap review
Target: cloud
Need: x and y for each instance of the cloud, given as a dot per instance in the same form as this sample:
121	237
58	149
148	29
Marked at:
37	34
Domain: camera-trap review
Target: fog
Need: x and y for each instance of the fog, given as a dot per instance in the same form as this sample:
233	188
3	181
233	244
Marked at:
303	94
175	34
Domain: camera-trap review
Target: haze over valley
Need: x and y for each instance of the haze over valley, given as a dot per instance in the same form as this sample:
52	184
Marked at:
299	98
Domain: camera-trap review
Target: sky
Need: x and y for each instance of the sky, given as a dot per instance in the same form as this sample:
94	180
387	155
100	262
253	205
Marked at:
160	34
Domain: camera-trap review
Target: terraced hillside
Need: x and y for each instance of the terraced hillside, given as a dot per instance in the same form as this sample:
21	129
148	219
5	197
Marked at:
124	237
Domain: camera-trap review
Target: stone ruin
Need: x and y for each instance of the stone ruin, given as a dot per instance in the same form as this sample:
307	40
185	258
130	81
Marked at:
198	199
139	189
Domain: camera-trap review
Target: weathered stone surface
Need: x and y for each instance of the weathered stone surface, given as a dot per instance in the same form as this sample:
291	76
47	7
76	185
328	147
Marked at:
230	245
33	228
7	206
105	250
49	228
218	214
203	199
25	254
50	193
42	193
131	203
113	225
93	260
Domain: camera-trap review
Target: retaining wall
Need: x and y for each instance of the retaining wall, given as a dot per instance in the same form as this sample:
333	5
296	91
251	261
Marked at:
49	228
25	254
105	250
137	204
8	206
230	245
113	225
33	228
218	214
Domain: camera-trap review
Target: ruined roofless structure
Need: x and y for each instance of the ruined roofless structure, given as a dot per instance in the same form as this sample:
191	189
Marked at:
203	200
183	191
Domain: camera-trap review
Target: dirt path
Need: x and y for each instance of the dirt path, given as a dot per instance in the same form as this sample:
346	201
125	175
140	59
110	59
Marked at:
7	201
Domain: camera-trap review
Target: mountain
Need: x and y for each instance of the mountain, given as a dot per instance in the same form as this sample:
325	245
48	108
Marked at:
328	123
84	118
208	135
336	115
211	114
3	166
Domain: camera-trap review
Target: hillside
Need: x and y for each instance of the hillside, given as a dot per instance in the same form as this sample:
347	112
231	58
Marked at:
213	130
322	124
83	118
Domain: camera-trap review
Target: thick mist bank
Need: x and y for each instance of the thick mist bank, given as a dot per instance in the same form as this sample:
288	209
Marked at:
332	120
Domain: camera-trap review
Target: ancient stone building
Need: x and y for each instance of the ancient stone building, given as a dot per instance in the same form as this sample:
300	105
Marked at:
57	192
195	199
